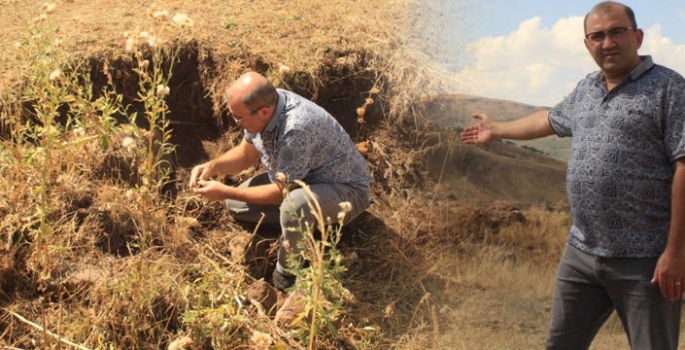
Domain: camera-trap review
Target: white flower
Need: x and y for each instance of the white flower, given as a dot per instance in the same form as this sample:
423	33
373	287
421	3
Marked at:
163	90
49	7
55	74
130	195
144	64
152	41
129	143
261	340
341	216
280	177
160	14
79	132
180	343
345	206
284	69
131	44
144	34
182	20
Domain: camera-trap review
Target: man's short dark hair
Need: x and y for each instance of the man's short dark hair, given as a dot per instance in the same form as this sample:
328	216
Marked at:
263	95
606	6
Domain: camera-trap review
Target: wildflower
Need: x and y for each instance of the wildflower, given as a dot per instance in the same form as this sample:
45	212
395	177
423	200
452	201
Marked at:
79	132
144	35
131	43
163	90
345	206
180	343
130	195
143	64
341	216
361	111
280	177
286	245
261	340
152	41
284	69
160	14
49	7
55	74
129	143
182	20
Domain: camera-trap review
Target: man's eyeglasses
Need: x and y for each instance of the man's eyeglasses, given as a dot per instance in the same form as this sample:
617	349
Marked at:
613	33
238	119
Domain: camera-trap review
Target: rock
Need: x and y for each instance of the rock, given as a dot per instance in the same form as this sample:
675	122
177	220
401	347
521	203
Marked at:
239	244
292	307
265	295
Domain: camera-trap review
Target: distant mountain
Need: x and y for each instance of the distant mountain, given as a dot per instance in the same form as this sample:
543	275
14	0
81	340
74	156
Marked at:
454	110
525	173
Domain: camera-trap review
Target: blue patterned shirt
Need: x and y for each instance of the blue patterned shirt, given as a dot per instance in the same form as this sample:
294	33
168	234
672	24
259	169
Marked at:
620	171
306	143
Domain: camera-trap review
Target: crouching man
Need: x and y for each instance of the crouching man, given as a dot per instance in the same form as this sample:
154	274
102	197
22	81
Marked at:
292	136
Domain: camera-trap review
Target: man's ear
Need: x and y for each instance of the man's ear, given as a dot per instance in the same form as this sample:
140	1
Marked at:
639	35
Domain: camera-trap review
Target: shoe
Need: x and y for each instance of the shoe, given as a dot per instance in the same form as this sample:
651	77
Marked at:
282	281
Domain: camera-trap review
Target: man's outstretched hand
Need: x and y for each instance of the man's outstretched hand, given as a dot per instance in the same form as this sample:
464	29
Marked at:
480	133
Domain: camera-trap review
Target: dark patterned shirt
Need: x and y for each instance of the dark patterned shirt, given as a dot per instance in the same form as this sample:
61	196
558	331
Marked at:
620	171
306	143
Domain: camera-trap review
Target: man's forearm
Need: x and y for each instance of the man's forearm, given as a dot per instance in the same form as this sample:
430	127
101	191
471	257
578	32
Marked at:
271	194
530	127
236	159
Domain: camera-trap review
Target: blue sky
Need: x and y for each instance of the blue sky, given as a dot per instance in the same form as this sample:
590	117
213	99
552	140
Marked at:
532	51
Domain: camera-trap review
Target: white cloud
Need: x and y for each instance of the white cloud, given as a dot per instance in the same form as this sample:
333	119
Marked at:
539	65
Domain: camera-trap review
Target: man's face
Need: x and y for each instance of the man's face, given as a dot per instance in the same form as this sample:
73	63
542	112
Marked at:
616	54
245	118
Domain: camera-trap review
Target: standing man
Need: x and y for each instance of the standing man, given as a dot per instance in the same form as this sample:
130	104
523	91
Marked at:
298	139
626	187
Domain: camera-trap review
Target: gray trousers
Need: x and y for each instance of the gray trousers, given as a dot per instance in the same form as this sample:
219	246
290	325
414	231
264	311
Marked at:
289	213
590	288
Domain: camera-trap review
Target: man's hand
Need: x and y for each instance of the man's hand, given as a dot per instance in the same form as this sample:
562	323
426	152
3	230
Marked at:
481	133
212	190
200	172
670	274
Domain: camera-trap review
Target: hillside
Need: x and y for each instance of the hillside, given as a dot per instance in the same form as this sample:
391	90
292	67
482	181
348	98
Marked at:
454	110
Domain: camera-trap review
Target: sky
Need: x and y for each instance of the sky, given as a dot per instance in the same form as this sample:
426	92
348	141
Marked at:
532	51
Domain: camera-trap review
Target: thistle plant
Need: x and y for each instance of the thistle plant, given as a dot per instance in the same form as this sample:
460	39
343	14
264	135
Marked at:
52	86
320	282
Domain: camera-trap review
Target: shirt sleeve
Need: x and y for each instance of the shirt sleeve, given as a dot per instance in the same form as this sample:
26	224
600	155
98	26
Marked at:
560	116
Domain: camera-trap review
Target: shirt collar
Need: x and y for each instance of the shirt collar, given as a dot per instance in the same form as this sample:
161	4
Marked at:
280	106
646	63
